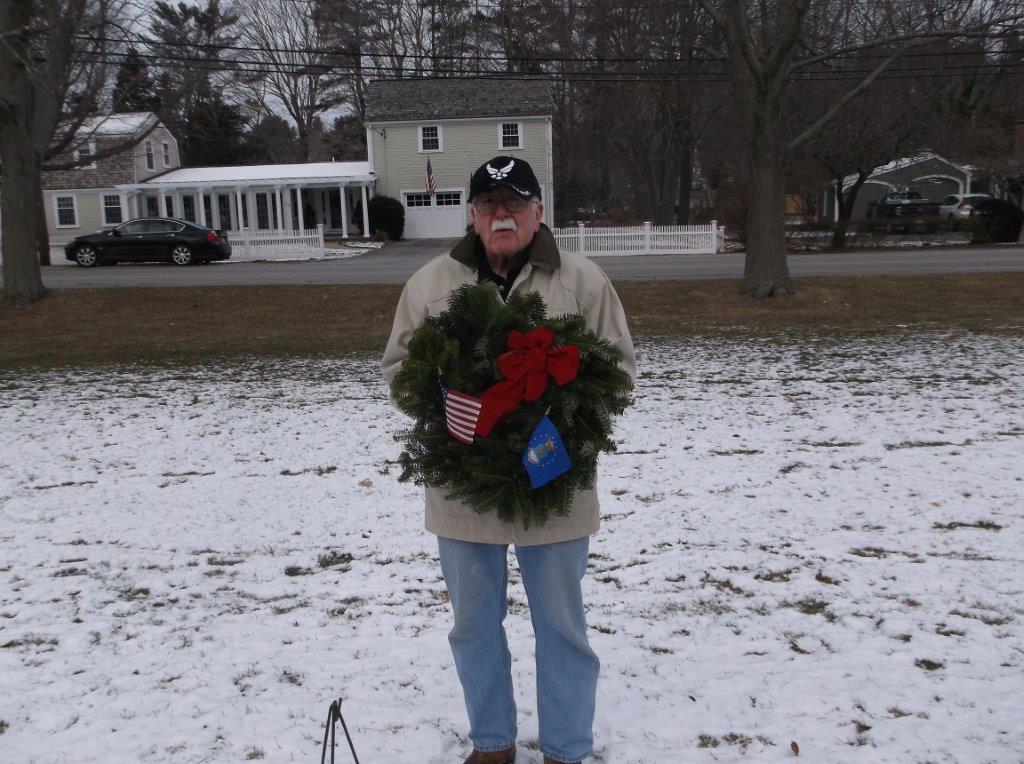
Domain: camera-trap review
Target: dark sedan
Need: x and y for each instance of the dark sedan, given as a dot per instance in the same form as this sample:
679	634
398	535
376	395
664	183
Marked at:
146	239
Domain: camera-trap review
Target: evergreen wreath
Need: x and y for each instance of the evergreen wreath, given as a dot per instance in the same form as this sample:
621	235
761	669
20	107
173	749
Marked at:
463	344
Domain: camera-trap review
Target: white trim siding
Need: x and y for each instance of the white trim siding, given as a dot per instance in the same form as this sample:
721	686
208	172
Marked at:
57	209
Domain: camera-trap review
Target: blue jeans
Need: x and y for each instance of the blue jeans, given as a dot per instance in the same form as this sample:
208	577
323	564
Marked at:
477	579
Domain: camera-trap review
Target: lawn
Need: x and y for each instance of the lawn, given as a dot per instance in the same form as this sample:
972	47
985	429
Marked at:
186	324
808	544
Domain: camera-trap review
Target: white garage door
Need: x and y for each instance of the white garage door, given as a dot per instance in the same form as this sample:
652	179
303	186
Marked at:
434	217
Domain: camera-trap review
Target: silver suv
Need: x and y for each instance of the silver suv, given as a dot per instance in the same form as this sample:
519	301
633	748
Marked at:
956	208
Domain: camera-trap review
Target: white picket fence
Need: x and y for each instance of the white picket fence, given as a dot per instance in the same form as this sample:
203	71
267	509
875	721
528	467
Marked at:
277	245
642	240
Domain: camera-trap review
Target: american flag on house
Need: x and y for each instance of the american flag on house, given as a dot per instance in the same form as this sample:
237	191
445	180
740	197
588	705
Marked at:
430	178
460	413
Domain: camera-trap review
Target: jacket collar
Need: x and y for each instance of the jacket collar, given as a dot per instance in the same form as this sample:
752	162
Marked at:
543	250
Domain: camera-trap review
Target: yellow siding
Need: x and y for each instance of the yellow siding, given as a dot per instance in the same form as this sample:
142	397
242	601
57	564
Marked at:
400	166
90	211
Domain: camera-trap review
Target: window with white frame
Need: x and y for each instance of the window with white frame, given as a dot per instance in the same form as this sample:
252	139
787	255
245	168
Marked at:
66	209
511	135
430	137
417	200
82	154
150	159
112	212
167	155
448	198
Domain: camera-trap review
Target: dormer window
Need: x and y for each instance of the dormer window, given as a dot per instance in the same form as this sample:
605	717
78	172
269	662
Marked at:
83	154
510	135
430	138
150	159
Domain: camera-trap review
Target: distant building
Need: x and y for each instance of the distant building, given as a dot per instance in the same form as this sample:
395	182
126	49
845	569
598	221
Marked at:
932	176
456	125
91	197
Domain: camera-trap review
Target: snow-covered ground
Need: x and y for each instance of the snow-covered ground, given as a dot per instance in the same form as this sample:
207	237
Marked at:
805	542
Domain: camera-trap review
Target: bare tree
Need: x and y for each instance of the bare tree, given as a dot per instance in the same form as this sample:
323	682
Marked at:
53	57
290	41
767	45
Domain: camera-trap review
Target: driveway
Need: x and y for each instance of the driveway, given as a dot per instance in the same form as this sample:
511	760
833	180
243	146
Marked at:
394	263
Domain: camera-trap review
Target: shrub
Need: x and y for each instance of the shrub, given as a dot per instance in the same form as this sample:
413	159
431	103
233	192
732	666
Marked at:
387	216
995	220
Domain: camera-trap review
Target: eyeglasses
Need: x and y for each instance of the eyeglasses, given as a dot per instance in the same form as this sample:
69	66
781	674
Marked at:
489	204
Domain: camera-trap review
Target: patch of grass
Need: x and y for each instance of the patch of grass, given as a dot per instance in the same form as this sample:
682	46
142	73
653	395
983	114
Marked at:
708	741
223	561
297	570
775	575
291	677
808	606
983	525
333	557
929	665
171	324
254	752
72	571
820	576
917	444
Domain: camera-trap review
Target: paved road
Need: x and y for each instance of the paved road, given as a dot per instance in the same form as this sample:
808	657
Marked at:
393	265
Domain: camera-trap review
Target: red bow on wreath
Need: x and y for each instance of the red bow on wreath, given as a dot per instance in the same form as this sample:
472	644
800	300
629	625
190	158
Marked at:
527	366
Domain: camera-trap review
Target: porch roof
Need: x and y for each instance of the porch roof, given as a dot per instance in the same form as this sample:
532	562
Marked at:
247	176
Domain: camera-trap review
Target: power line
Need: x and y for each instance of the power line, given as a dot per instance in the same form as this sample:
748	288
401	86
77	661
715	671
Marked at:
337	52
261	66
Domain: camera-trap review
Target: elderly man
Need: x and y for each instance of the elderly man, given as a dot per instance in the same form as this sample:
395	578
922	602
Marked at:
510	246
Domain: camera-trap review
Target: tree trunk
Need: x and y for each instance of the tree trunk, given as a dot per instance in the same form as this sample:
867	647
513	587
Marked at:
845	202
42	230
685	184
765	270
20	213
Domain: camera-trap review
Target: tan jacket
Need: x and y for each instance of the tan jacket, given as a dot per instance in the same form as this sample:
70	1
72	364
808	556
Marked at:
568	283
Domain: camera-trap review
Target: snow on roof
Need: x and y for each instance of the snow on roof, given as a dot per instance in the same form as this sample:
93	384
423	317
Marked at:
899	164
263	173
125	123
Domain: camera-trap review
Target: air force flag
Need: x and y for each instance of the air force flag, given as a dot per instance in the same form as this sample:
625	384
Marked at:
545	457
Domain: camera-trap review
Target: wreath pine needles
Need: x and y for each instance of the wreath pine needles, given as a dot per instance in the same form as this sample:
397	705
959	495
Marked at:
464	342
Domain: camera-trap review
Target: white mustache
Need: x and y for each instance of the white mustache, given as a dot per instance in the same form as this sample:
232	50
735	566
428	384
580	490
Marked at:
505	224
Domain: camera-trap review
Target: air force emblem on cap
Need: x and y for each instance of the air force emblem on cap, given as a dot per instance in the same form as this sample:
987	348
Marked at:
503	172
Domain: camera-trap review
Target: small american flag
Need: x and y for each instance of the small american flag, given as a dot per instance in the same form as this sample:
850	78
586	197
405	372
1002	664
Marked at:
460	413
430	178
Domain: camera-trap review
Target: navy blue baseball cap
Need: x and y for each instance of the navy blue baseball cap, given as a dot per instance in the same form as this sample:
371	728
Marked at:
510	172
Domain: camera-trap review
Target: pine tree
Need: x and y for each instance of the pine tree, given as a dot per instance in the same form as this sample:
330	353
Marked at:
133	88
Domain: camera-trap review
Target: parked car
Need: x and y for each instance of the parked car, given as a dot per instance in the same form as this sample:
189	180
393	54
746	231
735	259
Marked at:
996	220
956	208
901	204
147	239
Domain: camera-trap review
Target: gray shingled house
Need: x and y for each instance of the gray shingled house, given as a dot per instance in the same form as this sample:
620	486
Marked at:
932	176
455	125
